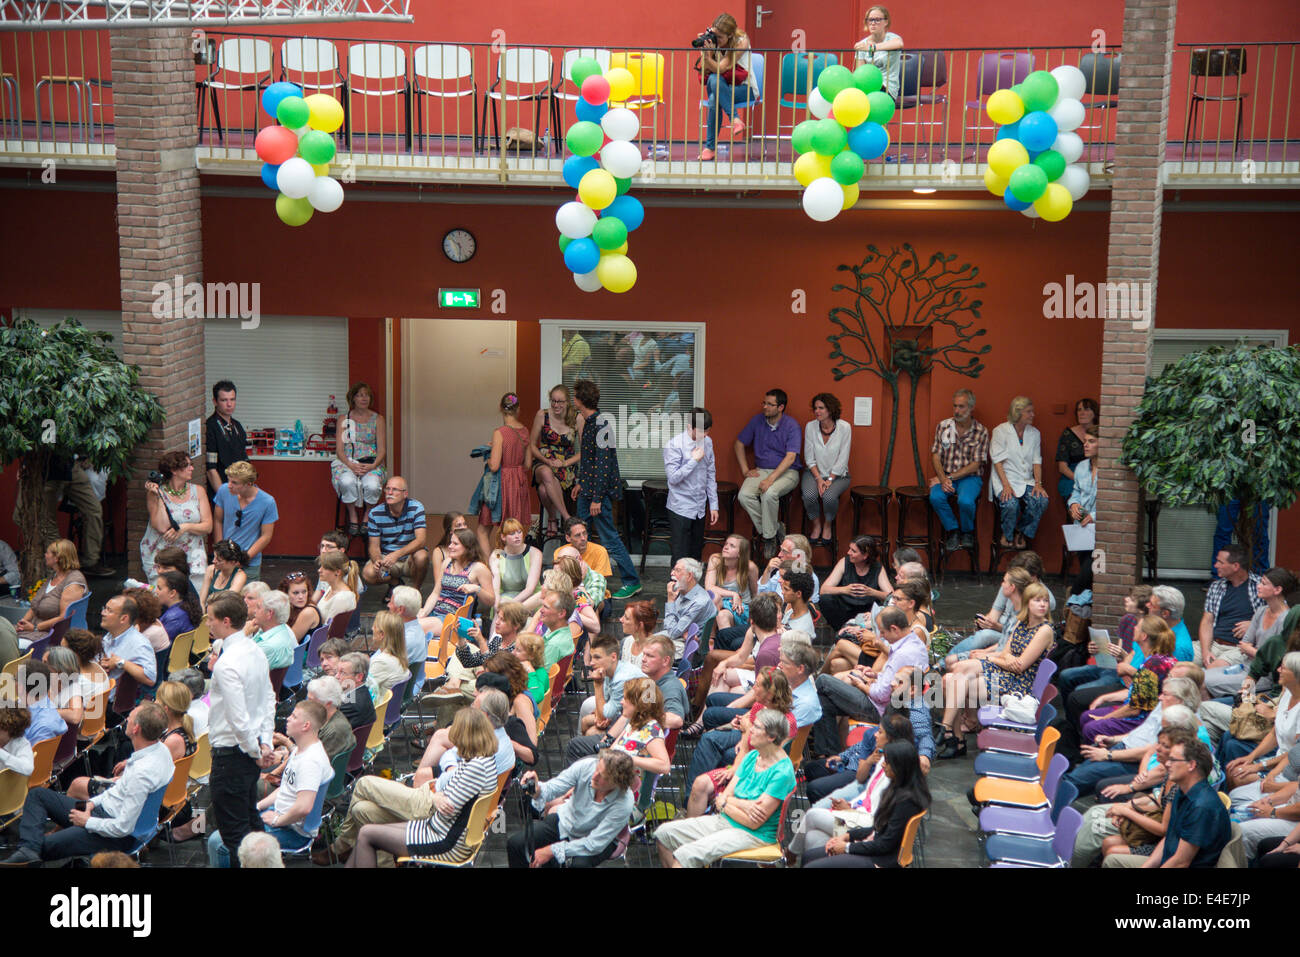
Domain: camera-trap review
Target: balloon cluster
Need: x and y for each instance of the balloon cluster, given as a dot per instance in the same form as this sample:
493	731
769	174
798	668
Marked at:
296	153
594	227
851	111
1033	163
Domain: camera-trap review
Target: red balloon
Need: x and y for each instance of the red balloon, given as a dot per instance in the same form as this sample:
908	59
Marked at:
595	89
830	114
275	144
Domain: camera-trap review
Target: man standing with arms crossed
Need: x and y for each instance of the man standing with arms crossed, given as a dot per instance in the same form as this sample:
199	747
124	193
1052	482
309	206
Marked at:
692	485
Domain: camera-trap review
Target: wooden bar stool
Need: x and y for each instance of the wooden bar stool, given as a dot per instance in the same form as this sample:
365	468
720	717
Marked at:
972	550
782	516
996	551
908	495
654	496
878	497
1150	546
727	492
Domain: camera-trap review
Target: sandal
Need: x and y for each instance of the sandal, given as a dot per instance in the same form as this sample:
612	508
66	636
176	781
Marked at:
693	730
951	745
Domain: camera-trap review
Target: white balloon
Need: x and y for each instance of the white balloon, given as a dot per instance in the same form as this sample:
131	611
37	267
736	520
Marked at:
1071	81
620	124
575	220
621	158
300	131
325	194
1069	145
1076	181
1029	212
823	199
587	281
295	177
1067	113
818	105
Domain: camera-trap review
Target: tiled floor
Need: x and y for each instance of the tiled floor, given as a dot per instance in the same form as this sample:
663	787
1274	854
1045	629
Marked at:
950	835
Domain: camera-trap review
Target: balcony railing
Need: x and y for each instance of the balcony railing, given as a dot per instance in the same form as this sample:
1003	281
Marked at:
490	113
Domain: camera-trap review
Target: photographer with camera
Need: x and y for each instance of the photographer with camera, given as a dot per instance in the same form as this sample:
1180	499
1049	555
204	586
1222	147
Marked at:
179	515
584	830
724	67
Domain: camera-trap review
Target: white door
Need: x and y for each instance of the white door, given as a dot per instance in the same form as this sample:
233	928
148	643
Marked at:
455	372
1186	534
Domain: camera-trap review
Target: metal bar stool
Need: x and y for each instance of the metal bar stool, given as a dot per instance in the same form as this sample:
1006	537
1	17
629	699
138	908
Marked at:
654	496
727	492
878	497
907	495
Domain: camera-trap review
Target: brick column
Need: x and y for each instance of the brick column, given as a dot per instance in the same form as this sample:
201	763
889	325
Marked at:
1133	257
159	237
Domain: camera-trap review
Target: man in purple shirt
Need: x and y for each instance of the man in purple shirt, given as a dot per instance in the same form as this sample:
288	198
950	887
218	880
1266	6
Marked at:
776	439
692	486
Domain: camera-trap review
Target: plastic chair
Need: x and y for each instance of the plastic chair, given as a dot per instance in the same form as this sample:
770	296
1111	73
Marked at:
1101	72
767	855
277	678
379	69
1033	822
566	69
175	798
66	752
11	669
1016	742
926	70
314	641
312	822
480	816
13	794
358	754
1019	767
1012	849
179	659
125	694
246	62
337	627
799	73
998	71
908	843
293	677
1027	794
201	760
43	757
313	63
202	640
647	71
445	71
76	613
146	825
992	714
530	72
757	69
1221	63
376	739
95	719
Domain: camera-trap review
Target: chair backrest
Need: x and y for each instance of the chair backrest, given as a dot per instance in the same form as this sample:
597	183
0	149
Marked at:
525	66
314	641
146	825
43	757
670	743
36	651
245	55
67	746
11	669
397	694
13	791
799	73
757	69
561	678
202	640
376	738
293	677
442	62
76	613
125	694
909	839
340	778
1049	695
999	71
1067	792
1056	769
1046	668
1233	854
178	787
796	745
1046	715
96	715
376	61
1046	749
337	627
354	620
361	735
923	70
572	56
179	659
502	778
309	55
479	816
201	763
1067	829
783	828
1100	73
548	702
311	823
1218	62
277	678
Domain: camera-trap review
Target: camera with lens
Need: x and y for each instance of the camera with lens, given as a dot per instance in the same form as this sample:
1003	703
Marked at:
156	477
530	787
709	36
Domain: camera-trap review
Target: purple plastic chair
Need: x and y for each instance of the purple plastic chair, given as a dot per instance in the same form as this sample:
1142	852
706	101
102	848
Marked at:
1015	741
1000	71
1029	852
1037	822
991	714
314	641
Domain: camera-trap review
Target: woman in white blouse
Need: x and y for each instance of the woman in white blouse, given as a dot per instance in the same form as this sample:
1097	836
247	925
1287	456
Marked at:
826	441
1016	448
338	578
388	665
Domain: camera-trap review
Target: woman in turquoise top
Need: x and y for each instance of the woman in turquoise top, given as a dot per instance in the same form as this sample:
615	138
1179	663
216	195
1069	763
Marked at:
516	566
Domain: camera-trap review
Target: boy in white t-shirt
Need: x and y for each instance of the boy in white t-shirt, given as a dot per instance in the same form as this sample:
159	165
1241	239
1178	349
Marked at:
285	809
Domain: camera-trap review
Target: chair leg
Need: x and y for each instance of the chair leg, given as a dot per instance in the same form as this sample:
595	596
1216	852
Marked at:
216	115
406	97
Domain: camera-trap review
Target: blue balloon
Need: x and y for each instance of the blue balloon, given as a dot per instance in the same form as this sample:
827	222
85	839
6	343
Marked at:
1037	131
590	113
626	208
276	92
576	167
268	175
869	140
582	255
1014	203
1009	132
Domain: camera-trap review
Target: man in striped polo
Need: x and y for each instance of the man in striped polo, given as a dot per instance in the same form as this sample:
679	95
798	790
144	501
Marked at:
397	538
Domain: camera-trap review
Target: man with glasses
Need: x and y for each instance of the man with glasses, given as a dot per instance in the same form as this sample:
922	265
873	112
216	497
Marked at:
397	538
245	514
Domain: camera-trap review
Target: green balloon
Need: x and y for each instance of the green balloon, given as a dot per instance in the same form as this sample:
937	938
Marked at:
1039	91
801	138
847	168
610	232
564	243
316	147
584	67
1019	90
1052	163
882	107
623	184
868	78
829	137
293	112
584	138
1028	183
833	80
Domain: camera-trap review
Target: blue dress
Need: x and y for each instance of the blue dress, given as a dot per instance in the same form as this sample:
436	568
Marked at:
1001	681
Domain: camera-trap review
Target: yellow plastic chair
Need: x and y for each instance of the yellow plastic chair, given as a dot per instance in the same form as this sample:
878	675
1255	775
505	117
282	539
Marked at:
11	669
202	640
475	832
43	755
179	659
96	717
201	765
376	739
766	855
647	71
13	793
544	710
436	663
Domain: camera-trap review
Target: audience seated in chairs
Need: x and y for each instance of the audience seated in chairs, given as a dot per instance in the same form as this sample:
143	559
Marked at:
273	634
505	673
516	566
1016	450
600	710
638	621
388	665
994	628
397	550
338	579
15	749
304	616
732	579
688	603
733	671
125	649
64	585
225	572
461	578
639	730
856	583
584	830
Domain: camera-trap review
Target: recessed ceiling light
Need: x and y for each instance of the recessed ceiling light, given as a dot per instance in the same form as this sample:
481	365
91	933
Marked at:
924	189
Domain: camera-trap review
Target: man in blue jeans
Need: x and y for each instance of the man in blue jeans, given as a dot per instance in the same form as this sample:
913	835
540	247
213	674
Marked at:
960	449
599	482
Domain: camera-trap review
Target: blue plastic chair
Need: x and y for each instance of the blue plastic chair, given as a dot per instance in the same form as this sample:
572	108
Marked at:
314	642
76	613
293	677
796	78
311	823
1016	851
1017	741
146	825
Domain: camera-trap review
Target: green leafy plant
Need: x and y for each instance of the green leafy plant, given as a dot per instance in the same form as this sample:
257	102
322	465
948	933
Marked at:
65	392
1221	425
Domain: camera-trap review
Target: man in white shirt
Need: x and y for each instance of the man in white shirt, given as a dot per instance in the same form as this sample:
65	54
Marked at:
692	485
1017	453
241	722
125	648
107	822
405	602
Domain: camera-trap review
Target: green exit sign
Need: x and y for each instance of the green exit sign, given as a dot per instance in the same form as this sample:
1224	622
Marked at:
458	298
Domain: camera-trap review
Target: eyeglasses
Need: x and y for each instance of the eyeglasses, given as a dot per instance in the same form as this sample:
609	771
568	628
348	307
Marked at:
875	19
1173	760
239	517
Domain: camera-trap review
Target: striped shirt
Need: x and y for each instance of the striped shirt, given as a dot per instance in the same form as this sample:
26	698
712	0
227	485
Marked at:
462	785
395	531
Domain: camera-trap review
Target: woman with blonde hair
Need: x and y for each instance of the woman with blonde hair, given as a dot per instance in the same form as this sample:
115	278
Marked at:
179	736
516	566
530	649
555	456
64	585
732	578
357	472
1016	451
338	575
511	458
882	49
388	665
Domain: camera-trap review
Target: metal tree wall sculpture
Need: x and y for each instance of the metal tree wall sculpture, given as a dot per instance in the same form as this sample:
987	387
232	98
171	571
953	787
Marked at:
913	304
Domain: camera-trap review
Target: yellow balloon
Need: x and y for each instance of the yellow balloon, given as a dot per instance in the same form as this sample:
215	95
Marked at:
616	251
850	192
1055	203
851	107
326	112
995	183
597	188
616	273
811	166
1003	107
1007	156
621	84
321	169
